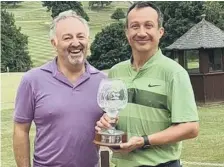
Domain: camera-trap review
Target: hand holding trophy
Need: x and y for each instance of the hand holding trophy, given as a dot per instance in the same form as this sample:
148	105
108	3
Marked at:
112	97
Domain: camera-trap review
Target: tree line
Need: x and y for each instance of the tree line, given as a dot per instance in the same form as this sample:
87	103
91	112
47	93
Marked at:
110	45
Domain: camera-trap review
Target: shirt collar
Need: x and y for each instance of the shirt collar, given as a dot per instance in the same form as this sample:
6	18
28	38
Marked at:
53	67
157	55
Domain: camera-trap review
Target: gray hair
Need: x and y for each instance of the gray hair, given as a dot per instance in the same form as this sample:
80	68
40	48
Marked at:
65	15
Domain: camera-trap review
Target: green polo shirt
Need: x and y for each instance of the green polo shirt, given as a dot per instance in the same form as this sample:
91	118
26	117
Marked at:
159	95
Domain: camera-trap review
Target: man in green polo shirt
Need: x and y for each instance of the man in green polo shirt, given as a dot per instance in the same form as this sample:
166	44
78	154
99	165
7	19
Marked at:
161	110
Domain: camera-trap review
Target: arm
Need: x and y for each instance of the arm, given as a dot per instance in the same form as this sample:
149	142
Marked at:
21	144
23	117
170	135
175	133
184	116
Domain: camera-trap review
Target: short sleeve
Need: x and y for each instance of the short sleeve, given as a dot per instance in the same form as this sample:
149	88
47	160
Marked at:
110	74
181	101
24	103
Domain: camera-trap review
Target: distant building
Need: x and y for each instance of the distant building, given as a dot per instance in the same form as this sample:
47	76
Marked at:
203	42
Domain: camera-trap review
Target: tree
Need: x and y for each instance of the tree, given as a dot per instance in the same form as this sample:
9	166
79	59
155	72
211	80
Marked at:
109	47
57	7
118	14
179	17
99	3
14	3
214	13
14	49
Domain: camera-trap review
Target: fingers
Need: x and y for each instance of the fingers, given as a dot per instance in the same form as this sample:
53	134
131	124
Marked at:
109	119
106	120
121	151
103	123
97	128
116	150
132	144
125	145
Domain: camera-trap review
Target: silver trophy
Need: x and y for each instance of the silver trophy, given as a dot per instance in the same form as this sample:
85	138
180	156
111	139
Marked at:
112	97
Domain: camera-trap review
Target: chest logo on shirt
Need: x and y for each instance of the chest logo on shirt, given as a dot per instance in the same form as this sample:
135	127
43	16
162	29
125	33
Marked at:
153	85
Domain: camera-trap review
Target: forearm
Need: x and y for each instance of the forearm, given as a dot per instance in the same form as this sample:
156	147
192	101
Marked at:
21	147
175	133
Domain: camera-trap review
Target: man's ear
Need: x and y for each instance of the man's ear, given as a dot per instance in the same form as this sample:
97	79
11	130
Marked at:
54	42
161	31
126	34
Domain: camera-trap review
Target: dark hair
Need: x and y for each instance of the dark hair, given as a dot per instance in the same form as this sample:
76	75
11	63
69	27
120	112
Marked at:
143	4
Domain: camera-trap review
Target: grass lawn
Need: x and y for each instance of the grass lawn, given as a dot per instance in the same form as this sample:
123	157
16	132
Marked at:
34	22
9	85
193	64
207	148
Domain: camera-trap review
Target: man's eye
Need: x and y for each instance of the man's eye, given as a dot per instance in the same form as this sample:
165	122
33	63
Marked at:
149	25
81	37
67	38
134	26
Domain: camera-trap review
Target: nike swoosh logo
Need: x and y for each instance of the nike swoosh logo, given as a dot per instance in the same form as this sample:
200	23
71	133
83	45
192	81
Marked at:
152	85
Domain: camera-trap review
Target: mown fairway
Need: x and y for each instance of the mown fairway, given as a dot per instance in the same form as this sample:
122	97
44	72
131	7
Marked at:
34	21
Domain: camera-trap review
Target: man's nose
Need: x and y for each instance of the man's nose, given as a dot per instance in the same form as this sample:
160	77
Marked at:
142	32
75	42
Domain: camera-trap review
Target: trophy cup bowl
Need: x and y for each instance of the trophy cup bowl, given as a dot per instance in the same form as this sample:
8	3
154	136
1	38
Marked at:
112	97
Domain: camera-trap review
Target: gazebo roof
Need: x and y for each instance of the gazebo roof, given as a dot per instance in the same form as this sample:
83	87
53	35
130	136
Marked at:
202	35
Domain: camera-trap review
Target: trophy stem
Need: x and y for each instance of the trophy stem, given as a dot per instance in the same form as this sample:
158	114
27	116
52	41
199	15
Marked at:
113	125
112	130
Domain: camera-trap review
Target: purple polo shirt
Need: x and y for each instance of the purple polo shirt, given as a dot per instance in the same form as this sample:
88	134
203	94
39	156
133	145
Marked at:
64	114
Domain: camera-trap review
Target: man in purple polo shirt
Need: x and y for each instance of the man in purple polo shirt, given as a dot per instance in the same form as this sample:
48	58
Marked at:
60	98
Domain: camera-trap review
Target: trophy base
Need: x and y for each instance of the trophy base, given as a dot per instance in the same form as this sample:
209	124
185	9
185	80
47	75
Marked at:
112	140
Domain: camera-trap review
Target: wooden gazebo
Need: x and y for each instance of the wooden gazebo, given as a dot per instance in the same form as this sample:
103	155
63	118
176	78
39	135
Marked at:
201	52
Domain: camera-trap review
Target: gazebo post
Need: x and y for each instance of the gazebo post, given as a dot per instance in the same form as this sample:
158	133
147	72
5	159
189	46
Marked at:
223	59
203	61
173	54
181	58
